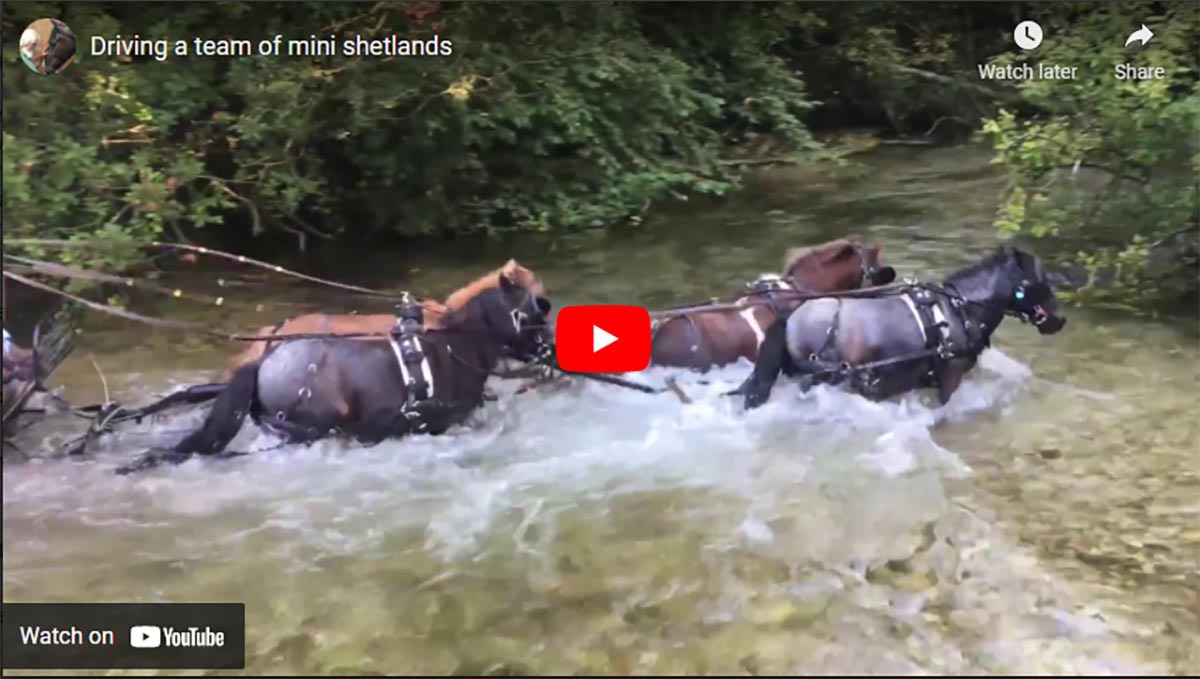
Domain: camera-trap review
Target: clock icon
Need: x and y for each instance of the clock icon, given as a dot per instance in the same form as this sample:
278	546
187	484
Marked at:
1028	35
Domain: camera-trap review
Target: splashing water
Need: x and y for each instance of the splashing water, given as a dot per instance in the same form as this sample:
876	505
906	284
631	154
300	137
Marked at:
586	526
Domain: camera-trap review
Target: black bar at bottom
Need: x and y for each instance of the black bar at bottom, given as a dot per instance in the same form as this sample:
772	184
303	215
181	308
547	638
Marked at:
123	636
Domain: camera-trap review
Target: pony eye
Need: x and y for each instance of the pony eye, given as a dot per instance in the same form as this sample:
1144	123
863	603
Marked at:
1019	294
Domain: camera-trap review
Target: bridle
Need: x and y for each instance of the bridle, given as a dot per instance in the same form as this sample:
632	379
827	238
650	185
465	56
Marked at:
1039	316
520	318
869	270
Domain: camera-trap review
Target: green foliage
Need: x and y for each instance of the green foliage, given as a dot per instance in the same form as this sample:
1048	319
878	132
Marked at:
562	116
1109	168
546	117
910	67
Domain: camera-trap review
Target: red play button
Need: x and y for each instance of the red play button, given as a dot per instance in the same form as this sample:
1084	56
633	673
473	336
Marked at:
603	339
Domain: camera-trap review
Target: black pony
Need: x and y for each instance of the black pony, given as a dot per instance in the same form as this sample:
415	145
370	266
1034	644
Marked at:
373	389
924	336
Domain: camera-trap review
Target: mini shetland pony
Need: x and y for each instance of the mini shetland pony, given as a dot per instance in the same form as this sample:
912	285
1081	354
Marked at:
349	324
713	338
830	340
311	388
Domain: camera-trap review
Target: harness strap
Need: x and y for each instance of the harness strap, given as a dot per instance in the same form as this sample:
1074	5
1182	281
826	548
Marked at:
931	319
413	361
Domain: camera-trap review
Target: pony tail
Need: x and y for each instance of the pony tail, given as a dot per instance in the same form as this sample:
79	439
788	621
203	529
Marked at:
228	413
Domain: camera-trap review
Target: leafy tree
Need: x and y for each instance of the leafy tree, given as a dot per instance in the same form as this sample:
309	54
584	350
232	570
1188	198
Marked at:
546	116
1110	169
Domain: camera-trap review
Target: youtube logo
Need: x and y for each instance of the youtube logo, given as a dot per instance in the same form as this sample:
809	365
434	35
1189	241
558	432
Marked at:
603	338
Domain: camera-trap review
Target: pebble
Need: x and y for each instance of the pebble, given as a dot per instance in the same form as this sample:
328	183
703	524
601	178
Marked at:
1049	453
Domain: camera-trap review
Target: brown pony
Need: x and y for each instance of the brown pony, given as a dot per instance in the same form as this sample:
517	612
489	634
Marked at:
713	338
380	323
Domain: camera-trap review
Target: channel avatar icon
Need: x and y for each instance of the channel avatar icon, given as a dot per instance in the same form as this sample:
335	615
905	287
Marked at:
48	46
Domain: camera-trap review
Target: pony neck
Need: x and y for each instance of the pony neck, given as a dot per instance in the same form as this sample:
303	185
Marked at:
986	284
475	336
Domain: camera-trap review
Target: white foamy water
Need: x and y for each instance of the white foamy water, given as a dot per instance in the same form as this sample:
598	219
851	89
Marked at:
576	527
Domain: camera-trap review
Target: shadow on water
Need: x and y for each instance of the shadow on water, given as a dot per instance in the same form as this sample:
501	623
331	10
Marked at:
1042	522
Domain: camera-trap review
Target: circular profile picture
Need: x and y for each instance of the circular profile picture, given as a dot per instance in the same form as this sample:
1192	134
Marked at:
48	46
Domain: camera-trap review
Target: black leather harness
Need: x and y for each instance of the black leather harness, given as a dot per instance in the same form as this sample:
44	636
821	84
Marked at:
414	365
934	309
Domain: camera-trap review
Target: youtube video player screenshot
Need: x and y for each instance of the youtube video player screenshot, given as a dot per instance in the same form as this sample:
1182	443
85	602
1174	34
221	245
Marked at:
357	338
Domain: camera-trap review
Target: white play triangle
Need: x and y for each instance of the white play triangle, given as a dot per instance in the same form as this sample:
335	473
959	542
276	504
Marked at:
601	339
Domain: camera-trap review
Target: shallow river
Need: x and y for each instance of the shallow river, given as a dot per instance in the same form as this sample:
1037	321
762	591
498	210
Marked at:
1047	520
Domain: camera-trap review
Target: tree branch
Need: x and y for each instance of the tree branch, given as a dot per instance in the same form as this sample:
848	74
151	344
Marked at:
1010	95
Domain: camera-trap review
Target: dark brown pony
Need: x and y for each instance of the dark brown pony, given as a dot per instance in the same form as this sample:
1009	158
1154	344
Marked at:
713	338
307	389
380	323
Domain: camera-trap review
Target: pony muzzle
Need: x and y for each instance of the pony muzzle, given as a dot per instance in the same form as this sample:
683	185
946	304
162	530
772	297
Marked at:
883	275
1046	323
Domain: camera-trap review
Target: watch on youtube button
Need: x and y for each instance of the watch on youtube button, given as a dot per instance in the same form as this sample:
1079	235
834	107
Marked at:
603	338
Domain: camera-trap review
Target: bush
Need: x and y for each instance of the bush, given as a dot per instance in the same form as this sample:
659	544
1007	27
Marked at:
546	117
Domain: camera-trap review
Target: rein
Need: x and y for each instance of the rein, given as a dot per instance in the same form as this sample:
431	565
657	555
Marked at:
717	305
873	292
241	259
181	325
33	266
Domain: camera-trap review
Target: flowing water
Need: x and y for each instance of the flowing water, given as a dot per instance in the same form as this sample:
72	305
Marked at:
1044	521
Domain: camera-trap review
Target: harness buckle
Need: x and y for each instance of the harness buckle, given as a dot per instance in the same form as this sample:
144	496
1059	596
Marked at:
410	316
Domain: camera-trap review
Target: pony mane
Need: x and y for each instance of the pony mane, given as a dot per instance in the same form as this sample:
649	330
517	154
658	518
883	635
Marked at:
1000	256
519	274
822	252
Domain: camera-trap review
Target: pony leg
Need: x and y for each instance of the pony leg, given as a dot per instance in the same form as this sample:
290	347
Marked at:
374	429
772	359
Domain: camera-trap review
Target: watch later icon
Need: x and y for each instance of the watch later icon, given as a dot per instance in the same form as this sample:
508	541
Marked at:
1028	35
1141	35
